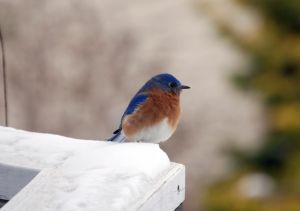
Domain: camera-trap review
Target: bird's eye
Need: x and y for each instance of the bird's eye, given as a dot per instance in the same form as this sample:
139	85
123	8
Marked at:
172	84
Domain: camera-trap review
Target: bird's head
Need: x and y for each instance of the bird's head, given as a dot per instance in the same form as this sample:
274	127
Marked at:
167	83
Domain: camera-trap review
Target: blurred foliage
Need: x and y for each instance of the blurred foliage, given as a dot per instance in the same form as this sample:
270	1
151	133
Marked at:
274	73
224	196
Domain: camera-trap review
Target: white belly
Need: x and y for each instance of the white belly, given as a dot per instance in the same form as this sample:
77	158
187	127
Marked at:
154	134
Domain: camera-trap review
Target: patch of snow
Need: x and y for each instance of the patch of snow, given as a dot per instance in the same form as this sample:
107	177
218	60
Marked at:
128	168
86	175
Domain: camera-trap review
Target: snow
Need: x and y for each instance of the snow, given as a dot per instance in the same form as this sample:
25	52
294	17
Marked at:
129	169
85	175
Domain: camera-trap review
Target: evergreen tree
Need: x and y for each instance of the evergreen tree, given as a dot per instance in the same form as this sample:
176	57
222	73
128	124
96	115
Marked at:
274	73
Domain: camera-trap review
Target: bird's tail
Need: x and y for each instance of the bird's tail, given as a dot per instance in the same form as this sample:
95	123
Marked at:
118	136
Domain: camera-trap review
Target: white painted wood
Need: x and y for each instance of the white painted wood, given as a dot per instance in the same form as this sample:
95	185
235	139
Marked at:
167	194
42	165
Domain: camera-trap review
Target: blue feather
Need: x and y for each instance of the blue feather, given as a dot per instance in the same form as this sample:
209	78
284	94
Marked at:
134	103
161	81
137	100
117	137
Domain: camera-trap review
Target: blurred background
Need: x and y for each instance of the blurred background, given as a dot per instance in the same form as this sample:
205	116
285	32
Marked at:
73	65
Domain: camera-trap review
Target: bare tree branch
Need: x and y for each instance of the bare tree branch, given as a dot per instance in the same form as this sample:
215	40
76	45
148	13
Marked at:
4	79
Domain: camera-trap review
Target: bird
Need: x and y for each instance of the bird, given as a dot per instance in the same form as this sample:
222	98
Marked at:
153	113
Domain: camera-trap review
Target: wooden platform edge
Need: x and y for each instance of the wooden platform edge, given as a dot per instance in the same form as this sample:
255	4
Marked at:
168	192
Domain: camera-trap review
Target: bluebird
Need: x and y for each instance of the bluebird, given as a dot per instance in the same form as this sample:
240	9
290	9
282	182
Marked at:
153	113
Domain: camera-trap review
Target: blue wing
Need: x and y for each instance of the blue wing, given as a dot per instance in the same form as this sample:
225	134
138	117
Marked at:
137	100
134	103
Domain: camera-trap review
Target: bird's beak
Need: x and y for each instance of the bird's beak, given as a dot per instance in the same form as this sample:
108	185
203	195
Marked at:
184	87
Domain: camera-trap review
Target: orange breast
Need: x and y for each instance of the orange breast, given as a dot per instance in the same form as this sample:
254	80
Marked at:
159	105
